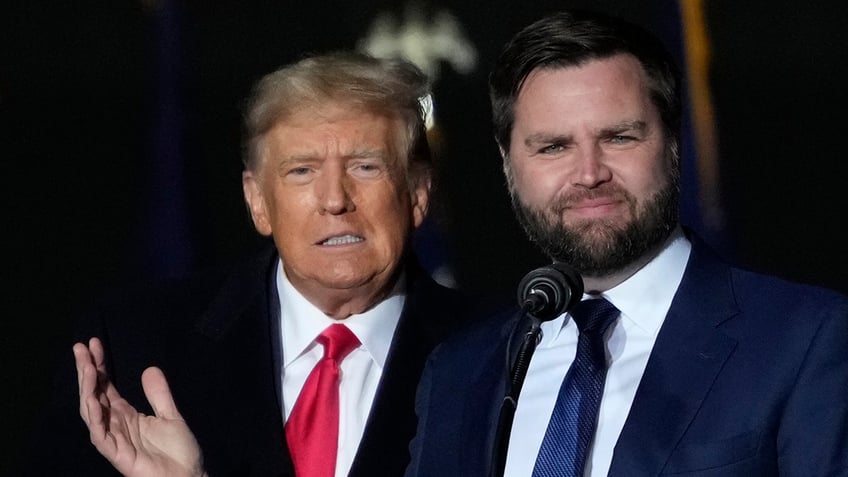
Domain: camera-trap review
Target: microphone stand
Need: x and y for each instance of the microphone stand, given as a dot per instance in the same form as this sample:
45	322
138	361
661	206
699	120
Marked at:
510	401
544	294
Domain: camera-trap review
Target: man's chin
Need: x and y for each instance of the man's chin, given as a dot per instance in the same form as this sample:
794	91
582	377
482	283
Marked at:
343	282
352	278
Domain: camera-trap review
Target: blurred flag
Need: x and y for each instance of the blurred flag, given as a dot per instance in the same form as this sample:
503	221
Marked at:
701	206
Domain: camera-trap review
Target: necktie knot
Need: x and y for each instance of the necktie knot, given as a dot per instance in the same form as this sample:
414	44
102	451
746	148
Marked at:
593	317
338	341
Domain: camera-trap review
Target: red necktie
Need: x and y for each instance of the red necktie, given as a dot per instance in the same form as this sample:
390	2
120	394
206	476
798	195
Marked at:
312	430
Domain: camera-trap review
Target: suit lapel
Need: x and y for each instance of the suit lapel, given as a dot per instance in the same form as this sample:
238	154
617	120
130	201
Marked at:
492	386
428	312
688	355
235	352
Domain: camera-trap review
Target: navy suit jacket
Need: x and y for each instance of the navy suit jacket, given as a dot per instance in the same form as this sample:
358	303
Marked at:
212	337
748	377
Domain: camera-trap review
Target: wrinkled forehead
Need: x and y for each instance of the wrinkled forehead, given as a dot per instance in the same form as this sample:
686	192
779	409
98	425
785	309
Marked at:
334	129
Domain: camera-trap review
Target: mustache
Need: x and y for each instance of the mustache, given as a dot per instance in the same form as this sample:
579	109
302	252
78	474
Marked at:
605	191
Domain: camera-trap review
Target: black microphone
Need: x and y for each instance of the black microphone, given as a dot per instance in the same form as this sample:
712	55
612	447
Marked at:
543	294
547	292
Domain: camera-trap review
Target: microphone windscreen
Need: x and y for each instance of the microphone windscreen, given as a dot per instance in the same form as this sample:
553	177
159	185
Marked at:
550	291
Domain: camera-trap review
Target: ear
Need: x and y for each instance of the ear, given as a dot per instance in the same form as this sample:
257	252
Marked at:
505	161
255	200
420	199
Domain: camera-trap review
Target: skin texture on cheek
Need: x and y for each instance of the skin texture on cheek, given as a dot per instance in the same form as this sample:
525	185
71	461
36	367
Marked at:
591	180
337	208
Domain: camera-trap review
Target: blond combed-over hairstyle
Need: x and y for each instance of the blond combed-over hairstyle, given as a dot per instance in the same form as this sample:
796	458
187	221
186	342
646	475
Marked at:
391	87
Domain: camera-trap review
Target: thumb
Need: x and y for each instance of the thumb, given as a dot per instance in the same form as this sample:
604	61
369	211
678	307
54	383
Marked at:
158	393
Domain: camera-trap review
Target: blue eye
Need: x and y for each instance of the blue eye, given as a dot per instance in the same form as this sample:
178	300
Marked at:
620	139
367	168
551	148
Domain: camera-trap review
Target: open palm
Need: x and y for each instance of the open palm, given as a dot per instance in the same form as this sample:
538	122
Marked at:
136	444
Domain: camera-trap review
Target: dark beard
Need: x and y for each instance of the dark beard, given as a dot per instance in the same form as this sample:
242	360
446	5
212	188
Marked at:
599	248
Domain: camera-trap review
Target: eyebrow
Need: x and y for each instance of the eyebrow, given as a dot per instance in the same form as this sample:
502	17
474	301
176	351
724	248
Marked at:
355	154
367	154
548	138
545	138
637	125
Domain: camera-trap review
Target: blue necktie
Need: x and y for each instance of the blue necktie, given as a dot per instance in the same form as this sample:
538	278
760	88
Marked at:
573	422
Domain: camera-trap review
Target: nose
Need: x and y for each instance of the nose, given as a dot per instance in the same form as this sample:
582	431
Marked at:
592	169
333	192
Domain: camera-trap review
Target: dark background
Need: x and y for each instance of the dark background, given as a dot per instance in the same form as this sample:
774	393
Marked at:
120	127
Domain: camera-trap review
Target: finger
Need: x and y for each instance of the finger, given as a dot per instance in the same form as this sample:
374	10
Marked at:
98	430
158	393
88	390
104	384
97	353
112	435
82	357
91	375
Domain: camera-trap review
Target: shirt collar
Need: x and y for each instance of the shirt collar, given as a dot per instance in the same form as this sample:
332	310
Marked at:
645	297
302	322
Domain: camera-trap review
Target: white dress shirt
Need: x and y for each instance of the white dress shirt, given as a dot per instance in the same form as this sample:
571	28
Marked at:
644	300
301	323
